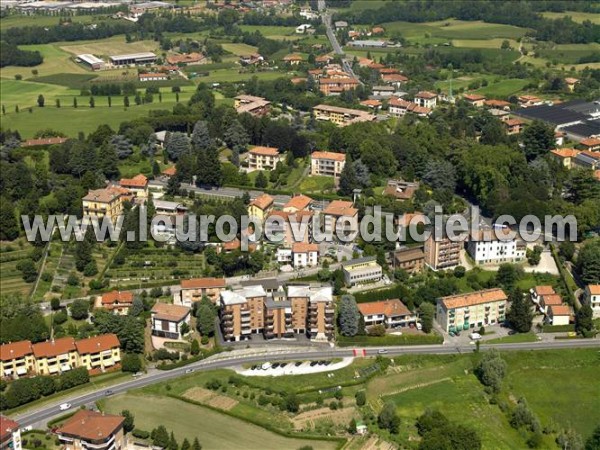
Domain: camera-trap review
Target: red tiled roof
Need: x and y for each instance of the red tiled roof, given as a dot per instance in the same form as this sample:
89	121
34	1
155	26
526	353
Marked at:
373	103
340	208
301	247
117	297
426	95
474	97
514	122
298	202
473	298
44	141
561	310
552	299
265	151
594	289
54	348
91	425
7	427
232	245
497	103
328	155
262	202
544	290
203	283
137	181
394	77
97	344
590	142
170	171
388	308
171	313
565	152
15	350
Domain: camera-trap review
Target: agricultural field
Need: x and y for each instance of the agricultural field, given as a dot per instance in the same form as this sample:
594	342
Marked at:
503	88
240	49
11	280
112	46
570	53
577	16
20	20
274	32
213	429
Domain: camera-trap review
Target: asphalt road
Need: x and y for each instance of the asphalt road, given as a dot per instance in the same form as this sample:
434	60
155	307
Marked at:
48	412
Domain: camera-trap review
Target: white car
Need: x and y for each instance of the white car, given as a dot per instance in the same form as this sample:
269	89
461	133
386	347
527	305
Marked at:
382	351
475	336
64	406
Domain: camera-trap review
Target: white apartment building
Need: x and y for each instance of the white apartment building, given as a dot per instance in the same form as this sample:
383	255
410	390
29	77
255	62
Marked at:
426	99
305	255
487	248
264	158
592	296
475	309
328	164
167	320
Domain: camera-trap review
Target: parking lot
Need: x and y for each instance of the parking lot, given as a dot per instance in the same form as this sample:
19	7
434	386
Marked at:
276	369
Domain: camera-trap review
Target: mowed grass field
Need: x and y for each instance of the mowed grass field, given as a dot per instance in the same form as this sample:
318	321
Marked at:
214	430
550	381
577	16
111	46
20	20
274	32
240	49
56	60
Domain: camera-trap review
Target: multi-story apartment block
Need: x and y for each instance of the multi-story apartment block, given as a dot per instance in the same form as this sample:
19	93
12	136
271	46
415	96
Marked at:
264	158
390	313
251	310
55	356
361	271
289	228
117	302
342	116
305	255
261	206
443	253
475	309
167	320
337	85
10	434
99	352
328	164
16	359
194	289
107	202
340	216
410	259
426	99
137	185
298	203
91	430
490	247
257	106
592	297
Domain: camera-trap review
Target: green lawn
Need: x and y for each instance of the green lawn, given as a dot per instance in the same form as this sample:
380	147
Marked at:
240	49
274	32
213	429
515	338
21	20
503	88
569	53
316	184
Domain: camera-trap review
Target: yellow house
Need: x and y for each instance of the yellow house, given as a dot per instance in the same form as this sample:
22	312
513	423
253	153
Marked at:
56	356
261	206
100	352
137	185
107	202
16	359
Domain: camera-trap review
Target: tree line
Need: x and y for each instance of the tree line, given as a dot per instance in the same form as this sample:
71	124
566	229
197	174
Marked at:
11	55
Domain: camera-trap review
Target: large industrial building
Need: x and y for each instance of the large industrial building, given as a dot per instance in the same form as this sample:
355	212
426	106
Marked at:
133	58
92	61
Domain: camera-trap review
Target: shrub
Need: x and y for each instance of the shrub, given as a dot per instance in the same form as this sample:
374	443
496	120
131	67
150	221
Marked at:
142	434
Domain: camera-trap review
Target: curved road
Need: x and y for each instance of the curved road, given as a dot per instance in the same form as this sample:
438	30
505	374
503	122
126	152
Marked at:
48	412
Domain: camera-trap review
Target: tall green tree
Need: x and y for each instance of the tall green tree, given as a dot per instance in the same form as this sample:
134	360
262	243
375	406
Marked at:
349	316
426	314
538	139
388	419
9	226
588	262
584	320
491	370
519	314
348	178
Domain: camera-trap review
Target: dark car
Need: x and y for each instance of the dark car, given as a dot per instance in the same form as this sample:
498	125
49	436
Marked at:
108	392
299	363
511	332
275	365
313	363
283	365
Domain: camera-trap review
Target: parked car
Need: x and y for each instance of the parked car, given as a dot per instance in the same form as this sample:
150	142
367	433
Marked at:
452	334
382	351
108	393
475	336
64	406
299	363
511	332
189	370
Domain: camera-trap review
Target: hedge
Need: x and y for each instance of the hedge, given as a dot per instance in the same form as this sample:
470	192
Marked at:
184	362
390	339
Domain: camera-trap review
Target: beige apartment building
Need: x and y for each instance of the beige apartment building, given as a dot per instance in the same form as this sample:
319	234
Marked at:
264	158
16	359
340	215
194	289
475	309
55	356
99	352
328	164
342	116
107	202
442	254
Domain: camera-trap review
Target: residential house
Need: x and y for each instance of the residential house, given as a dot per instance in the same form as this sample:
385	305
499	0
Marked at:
117	302
539	291
10	434
342	116
443	253
92	430
153	76
340	216
587	160
559	138
99	352
426	99
253	59
401	190
241	312
169	172
383	91
293	59
340	25
475	100
194	289
55	356
323	59
305	255
361	271
167	320
167	208
260	207
257	106
375	105
548	300
16	360
106	202
513	126
395	79
137	185
565	156
571	83
298	203
288	228
337	85
398	107
377	30
592	144
412	260
329	164
559	315
497	104
592	297
264	158
526	101
389	313
474	309
495	247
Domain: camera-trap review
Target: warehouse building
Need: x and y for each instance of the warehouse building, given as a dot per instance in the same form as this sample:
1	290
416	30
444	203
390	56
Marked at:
92	61
133	58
